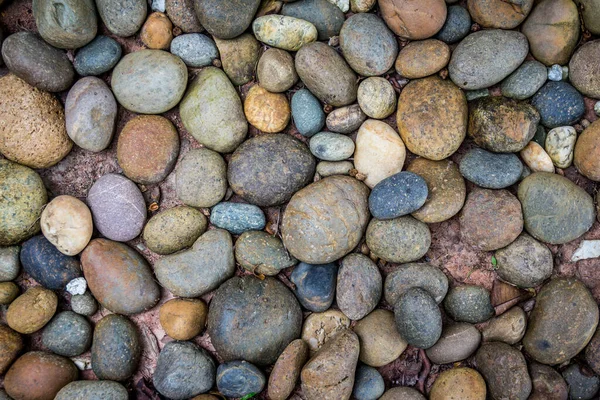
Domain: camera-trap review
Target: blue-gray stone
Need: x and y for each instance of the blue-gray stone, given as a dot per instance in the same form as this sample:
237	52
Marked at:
315	285
469	303
525	81
97	57
457	25
368	383
239	378
237	217
398	195
555	73
491	170
330	146
48	266
195	49
307	112
68	334
325	16
418	318
559	104
581	386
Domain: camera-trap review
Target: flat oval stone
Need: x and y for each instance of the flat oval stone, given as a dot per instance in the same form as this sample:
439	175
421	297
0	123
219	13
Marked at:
237	217
286	371
238	312
68	334
98	56
547	383
346	119
119	277
377	97
91	114
562	322
474	63
307	113
508	327
174	229
398	195
37	63
315	285
223	19
581	384
84	304
505	371
326	74
239	378
9	263
499	14
149	81
536	158
525	262
331	146
368	383
183	370
469	303
118	207
32	310
457	342
262	253
93	390
116	348
359	286
183	15
585	154
398	240
276	72
283	32
568	211
490	170
463	383
196	50
239	57
457	25
380	342
67	24
413	19
419	59
324	15
319	328
584	73
421	275
268	112
525	81
211	100
559	104
201	178
418	318
123	18
317	228
48	266
368	45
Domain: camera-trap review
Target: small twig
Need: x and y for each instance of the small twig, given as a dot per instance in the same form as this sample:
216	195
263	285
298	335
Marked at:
425	369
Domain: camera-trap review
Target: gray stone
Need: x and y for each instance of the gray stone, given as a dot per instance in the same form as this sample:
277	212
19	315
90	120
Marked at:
359	286
67	24
457	25
555	73
422	275
122	17
315	285
92	390
196	50
368	383
201	178
97	57
469	303
398	195
9	263
457	342
326	17
239	378
525	81
525	262
582	385
237	218
84	304
183	15
398	240
329	168
307	112
505	371
346	119
262	253
68	334
225	19
491	170
331	146
116	348
418	318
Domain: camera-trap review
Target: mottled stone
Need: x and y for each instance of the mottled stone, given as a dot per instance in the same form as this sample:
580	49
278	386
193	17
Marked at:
422	58
97	57
123	18
402	393
157	31
536	158
84	304
587	150
174	229
508	327
11	345
239	57
525	81
116	348
261	253
469	303
331	146
183	15
380	342
547	383
201	178
581	384
398	240
307	112
457	342
268	112
525	262
237	217
224	19
287	33
559	104
420	275
9	263
398	195
359	286
376	97
459	383
457	25
68	334
8	292
276	73
560	144
498	13
505	371
346	119
67	24
329	168
490	170
93	390
418	318
286	371
315	285
32	310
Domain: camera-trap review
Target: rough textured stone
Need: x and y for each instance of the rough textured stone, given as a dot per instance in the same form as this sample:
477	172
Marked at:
377	97
93	390
418	318
413	19
422	58
174	229
469	303
9	263
380	342
286	371
315	285
586	152
525	262
84	304
398	195
287	33
261	253
68	334
201	178
398	240
460	383
547	383
319	328
224	19
581	384
237	217
32	310
505	371
457	342
11	345
457	25
196	50
183	15
359	286
346	119
157	31
268	112
116	348
525	81
123	18
66	24
560	145
592	352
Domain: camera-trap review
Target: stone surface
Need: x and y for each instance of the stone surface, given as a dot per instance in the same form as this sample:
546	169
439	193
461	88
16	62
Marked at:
201	178
239	57
359	286
225	20
346	119
157	31
413	19
68	24
559	104
315	285
586	153
560	144
418	318
402	393
77	286
457	25
457	342
587	249
380	342
68	334
329	168
261	253
8	292
592	352
525	81
581	384
508	327
459	383
283	32
590	13
376	97
307	113
276	72
84	304
469	303
547	383
286	371
319	328
237	217
10	347
358	6
490	170
536	158
123	18
183	319
420	275
398	195
196	50
326	17
116	348
498	13
32	310
268	112
525	262
330	146
398	240
93	390
9	263
183	15
98	56
419	59
239	378
174	229
368	383
505	371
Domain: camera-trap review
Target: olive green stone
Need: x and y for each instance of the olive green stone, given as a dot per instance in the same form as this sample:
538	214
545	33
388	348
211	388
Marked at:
469	303
261	253
174	229
239	57
398	240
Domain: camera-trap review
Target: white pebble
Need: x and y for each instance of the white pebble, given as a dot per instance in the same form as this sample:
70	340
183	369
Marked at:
343	5
77	286
158	5
555	73
560	143
587	249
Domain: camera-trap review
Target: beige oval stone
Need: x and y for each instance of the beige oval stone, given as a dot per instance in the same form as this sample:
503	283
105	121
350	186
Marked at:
361	6
376	97
318	328
536	158
560	143
67	223
380	342
419	59
508	327
276	71
239	57
379	152
286	370
32	310
266	111
503	14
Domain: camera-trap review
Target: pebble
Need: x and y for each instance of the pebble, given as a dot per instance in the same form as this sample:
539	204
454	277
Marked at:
315	285
238	311
368	383
398	240
555	73
48	266
402	393
440	108
331	146
183	370
118	207
157	31
123	18
183	15
119	277
226	20
499	14
490	219
237	217
420	275
505	370
346	119
592	353
84	304
239	57
508	327
380	152
567	209
459	383
326	17
446	189
39	375
491	170
329	168
68	26
239	378
307	112
422	58
329	374
560	144
474	63
201	178
359	286
547	383
32	310
149	81
91	114
276	72
201	269
317	228
34	131
174	229
469	303
23	198
77	286
210	100
380	342
9	263
268	112
553	31
9	291
376	97
343	5
590	11
194	49
456	26
398	195
585	154
183	319
319	328
418	318
261	253
286	371
536	158
284	32
361	6
11	345
559	104
68	334
457	342
368	45
525	262
414	21
525	81
581	385
93	390
563	320
116	348
98	56
36	62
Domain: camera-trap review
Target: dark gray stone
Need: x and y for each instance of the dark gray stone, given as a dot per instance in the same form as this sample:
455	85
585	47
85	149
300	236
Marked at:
525	81
325	16
469	303
559	104
315	285
457	25
9	263
68	334
418	318
116	348
491	170
422	275
368	383
398	195
359	286
237	218
239	378
582	386
226	19
307	113
97	57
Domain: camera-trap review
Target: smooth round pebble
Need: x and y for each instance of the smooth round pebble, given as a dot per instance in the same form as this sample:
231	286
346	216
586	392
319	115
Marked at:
459	383
239	378
239	57
584	73
469	303
329	168
547	383
32	310
286	371
535	157
98	56
275	71
268	112
368	383
307	113
8	292
284	32
525	81
68	334
237	217
324	15
261	253
66	223
93	390
359	286
525	262
376	97
457	342
505	371
174	229
499	14
398	195
9	263
398	240
123	18
183	15
560	145
402	393
413	20
380	342
84	304
456	26
196	50
422	275
491	170
71	25
419	59
346	119
315	285
330	146
183	319
586	153
157	31
508	327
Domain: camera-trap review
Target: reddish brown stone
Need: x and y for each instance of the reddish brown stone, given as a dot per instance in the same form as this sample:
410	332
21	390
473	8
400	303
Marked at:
10	345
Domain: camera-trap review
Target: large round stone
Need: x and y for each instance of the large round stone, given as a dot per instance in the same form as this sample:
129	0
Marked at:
505	371
414	19
584	71
398	240
68	24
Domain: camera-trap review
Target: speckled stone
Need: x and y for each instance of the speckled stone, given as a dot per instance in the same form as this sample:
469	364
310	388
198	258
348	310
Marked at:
268	112
223	19
66	25
286	371
559	104
286	33
174	229
525	262
457	25
239	378
307	113
422	275
422	58
237	217
380	342
459	383
93	390
183	15
315	285
319	328
8	292
398	195
560	145
359	286
457	342
98	56
84	304
32	310
547	383
505	371
123	18
346	119
330	146
376	97
398	240
368	383
196	50
582	386
116	348
68	334
10	347
525	81
418	318
491	170
201	178
584	71
262	253
326	17
469	303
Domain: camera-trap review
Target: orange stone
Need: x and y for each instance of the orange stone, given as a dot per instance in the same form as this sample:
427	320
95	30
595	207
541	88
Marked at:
183	319
157	32
266	111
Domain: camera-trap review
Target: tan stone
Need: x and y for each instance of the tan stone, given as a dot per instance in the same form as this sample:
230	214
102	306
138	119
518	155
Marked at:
266	111
503	14
318	328
32	310
380	342
458	383
419	59
157	31
67	223
286	370
587	152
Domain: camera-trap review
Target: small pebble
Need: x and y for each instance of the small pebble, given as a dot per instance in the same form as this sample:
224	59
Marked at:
376	97
368	383
239	378
329	146
183	319
77	286
328	168
469	303
560	144
98	56
307	112
196	50
84	304
456	26
346	119
67	223
536	158
315	285
237	217
491	170
555	73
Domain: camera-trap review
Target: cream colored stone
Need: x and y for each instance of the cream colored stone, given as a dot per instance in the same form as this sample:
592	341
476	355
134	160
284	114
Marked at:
67	224
536	158
320	327
284	32
508	327
560	143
